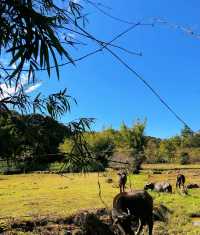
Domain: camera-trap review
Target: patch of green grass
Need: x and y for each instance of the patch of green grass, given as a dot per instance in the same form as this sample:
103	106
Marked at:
53	195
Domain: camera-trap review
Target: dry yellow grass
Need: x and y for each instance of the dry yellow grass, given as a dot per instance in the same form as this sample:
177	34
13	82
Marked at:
52	195
170	166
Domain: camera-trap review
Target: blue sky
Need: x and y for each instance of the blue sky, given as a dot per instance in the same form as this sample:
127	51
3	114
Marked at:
107	91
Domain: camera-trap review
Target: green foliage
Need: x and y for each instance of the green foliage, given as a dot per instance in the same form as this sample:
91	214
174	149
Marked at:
30	139
170	150
166	151
91	166
125	136
152	150
31	34
102	147
132	140
184	158
99	149
186	135
138	136
137	145
186	132
34	37
160	151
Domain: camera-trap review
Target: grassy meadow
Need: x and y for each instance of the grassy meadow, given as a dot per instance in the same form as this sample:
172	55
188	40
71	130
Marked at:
27	196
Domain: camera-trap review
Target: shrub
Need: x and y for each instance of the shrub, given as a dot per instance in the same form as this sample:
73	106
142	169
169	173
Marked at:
184	158
90	167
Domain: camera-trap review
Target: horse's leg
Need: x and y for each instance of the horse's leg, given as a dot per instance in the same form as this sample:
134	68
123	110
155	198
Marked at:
140	226
150	224
183	185
120	188
121	229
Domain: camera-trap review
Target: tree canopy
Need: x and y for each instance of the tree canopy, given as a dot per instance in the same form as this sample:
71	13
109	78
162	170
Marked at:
28	138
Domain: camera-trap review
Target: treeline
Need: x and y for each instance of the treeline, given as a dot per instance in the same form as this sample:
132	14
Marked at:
103	145
131	143
33	142
183	148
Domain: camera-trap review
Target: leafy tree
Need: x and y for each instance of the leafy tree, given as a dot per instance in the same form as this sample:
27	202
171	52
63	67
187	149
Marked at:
125	136
46	134
132	141
186	132
195	140
186	136
166	151
184	158
28	138
9	138
137	145
100	148
103	148
176	141
151	150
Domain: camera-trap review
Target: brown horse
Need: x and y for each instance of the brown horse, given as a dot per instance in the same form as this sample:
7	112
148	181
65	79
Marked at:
133	207
180	181
122	181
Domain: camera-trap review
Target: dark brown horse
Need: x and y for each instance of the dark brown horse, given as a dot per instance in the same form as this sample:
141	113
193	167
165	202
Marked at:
122	181
133	207
180	181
